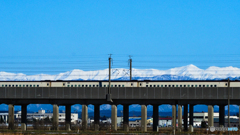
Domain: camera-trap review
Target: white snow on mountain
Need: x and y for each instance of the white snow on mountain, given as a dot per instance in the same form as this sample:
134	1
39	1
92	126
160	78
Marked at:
186	73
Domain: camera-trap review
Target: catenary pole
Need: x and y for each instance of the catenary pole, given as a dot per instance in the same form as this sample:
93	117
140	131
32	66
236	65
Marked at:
130	60
109	77
109	97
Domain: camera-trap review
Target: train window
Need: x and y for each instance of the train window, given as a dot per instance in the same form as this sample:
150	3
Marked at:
122	85
203	85
176	85
30	85
97	86
119	85
93	85
86	85
111	85
26	85
89	85
68	85
16	85
75	85
146	85
33	85
115	85
226	84
188	85
2	85
104	85
173	86
169	85
9	85
5	85
19	85
23	85
12	85
82	85
140	84
200	85
215	85
184	85
195	85
207	85
192	86
71	85
47	84
79	85
154	85
157	85
131	84
150	85
165	85
161	85
63	84
37	85
180	85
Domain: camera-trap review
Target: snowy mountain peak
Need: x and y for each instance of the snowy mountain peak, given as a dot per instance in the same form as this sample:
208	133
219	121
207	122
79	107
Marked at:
191	66
189	72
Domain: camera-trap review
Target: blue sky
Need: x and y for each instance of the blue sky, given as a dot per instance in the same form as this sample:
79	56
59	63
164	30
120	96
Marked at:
57	36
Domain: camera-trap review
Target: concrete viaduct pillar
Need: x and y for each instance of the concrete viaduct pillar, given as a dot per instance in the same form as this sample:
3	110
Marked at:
155	117
174	118
55	116
180	118
210	115
191	117
114	118
68	117
144	118
96	117
185	117
11	116
84	116
221	115
239	116
126	117
24	117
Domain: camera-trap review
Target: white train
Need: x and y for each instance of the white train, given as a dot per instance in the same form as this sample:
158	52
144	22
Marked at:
133	83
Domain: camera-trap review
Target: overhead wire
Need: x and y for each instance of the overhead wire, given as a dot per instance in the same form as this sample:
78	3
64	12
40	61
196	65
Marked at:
60	64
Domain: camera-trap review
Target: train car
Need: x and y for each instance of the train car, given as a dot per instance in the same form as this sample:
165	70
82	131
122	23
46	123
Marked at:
119	83
25	83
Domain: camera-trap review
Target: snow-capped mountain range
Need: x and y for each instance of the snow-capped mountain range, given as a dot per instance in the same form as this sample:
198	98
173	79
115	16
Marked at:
189	72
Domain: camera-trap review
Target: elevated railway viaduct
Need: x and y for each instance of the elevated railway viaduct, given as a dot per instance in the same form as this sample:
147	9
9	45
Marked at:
67	96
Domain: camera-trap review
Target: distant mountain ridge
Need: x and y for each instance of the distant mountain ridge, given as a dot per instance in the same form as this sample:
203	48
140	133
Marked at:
189	72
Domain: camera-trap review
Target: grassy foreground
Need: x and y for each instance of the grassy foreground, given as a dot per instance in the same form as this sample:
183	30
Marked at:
90	132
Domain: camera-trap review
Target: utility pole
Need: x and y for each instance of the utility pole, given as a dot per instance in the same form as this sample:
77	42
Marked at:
109	98
130	61
228	103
